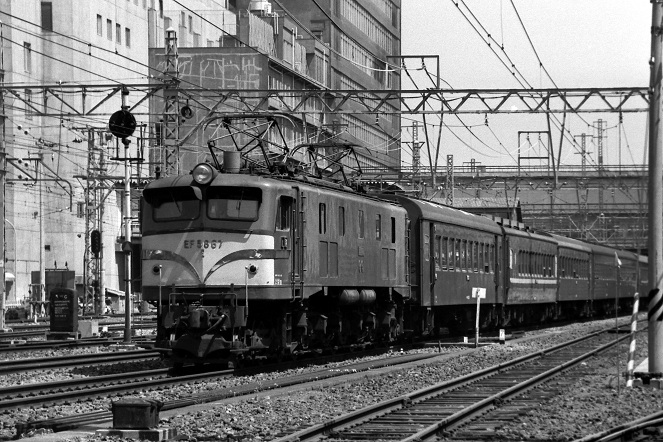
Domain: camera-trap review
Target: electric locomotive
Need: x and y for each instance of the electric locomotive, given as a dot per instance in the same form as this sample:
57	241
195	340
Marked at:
243	264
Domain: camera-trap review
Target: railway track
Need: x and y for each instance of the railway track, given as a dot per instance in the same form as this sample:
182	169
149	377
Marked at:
441	410
72	422
21	365
7	347
648	428
41	331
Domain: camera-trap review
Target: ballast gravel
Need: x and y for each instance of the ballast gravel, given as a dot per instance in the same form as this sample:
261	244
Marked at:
591	405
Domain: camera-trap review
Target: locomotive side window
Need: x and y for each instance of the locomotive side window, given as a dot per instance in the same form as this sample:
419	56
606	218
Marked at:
173	204
233	203
362	224
378	227
393	230
284	213
322	218
341	221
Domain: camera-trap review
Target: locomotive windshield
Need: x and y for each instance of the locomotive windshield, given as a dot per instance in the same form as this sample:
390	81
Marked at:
233	203
174	204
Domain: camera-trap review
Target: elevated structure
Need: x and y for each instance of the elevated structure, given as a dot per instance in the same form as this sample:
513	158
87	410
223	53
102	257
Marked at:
606	206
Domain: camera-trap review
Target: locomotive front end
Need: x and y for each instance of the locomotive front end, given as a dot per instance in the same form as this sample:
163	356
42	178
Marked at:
209	257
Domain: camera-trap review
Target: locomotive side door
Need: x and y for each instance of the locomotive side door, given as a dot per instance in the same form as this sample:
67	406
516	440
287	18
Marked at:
297	240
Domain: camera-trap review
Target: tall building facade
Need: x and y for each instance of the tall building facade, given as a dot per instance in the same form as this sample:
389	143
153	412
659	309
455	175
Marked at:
65	64
365	42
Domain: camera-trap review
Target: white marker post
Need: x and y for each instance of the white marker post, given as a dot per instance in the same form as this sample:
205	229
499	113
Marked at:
479	293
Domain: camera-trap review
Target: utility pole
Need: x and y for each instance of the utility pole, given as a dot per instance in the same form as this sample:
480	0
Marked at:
3	178
655	314
171	111
600	125
450	180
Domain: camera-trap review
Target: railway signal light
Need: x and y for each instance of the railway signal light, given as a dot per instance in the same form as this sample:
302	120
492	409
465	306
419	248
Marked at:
95	242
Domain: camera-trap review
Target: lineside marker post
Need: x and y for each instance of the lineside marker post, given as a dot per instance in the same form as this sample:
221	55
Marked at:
631	348
478	292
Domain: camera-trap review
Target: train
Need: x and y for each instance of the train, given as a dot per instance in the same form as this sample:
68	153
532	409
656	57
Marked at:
243	263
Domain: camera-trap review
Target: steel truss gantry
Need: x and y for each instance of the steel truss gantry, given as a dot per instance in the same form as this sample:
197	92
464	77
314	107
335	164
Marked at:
88	100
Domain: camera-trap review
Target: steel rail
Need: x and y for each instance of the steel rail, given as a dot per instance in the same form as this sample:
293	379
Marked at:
60	344
18	365
140	383
627	430
33	390
333	427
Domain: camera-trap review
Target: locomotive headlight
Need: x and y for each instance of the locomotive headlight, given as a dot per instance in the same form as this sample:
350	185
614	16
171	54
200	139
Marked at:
252	268
203	173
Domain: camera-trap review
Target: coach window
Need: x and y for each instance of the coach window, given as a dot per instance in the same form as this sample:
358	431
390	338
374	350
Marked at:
426	247
438	251
322	218
341	221
444	252
284	213
482	257
457	253
475	258
362	224
393	230
463	255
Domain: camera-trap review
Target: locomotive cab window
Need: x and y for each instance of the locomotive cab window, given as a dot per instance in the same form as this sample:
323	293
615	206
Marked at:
233	203
341	221
284	213
322	218
176	204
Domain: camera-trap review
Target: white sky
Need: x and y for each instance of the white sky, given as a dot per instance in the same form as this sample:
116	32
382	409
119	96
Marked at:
581	43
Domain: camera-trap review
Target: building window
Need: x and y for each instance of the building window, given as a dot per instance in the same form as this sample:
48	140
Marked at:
183	19
190	24
109	29
100	26
127	37
118	33
27	57
80	209
47	16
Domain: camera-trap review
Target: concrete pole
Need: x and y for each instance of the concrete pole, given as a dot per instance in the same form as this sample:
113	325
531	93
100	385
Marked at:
126	246
655	331
3	173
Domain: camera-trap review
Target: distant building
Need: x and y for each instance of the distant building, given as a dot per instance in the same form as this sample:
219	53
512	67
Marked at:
288	46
